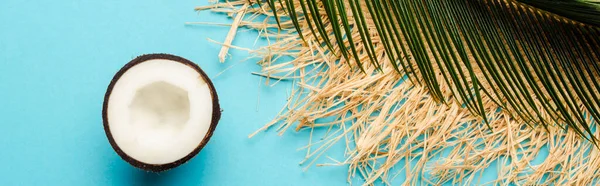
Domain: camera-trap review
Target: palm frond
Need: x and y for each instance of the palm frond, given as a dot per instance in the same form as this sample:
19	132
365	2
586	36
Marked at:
541	65
585	11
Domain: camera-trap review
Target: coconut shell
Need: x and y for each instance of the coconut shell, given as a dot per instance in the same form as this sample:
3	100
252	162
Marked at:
216	115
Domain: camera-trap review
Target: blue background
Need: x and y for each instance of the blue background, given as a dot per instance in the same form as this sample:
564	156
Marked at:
56	60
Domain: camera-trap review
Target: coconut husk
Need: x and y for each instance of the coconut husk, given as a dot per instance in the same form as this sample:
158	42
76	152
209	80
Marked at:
391	126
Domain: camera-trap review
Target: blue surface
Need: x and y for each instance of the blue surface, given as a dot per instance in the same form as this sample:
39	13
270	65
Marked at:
56	60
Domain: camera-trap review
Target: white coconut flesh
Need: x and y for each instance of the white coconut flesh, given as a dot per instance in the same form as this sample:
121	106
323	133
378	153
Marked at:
159	111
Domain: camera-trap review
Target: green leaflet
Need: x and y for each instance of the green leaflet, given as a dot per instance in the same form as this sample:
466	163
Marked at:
540	67
585	11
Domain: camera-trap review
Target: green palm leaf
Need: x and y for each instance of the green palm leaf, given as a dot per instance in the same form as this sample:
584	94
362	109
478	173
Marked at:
585	11
536	59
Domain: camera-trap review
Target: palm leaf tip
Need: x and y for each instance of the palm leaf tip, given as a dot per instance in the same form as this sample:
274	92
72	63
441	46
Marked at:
584	11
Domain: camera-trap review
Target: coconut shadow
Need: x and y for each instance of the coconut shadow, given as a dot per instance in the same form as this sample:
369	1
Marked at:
141	177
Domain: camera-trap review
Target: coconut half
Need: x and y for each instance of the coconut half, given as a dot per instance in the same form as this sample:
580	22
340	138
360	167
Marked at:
159	111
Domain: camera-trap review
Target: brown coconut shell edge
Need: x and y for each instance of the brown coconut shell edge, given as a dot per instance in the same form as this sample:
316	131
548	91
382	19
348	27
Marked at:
216	115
